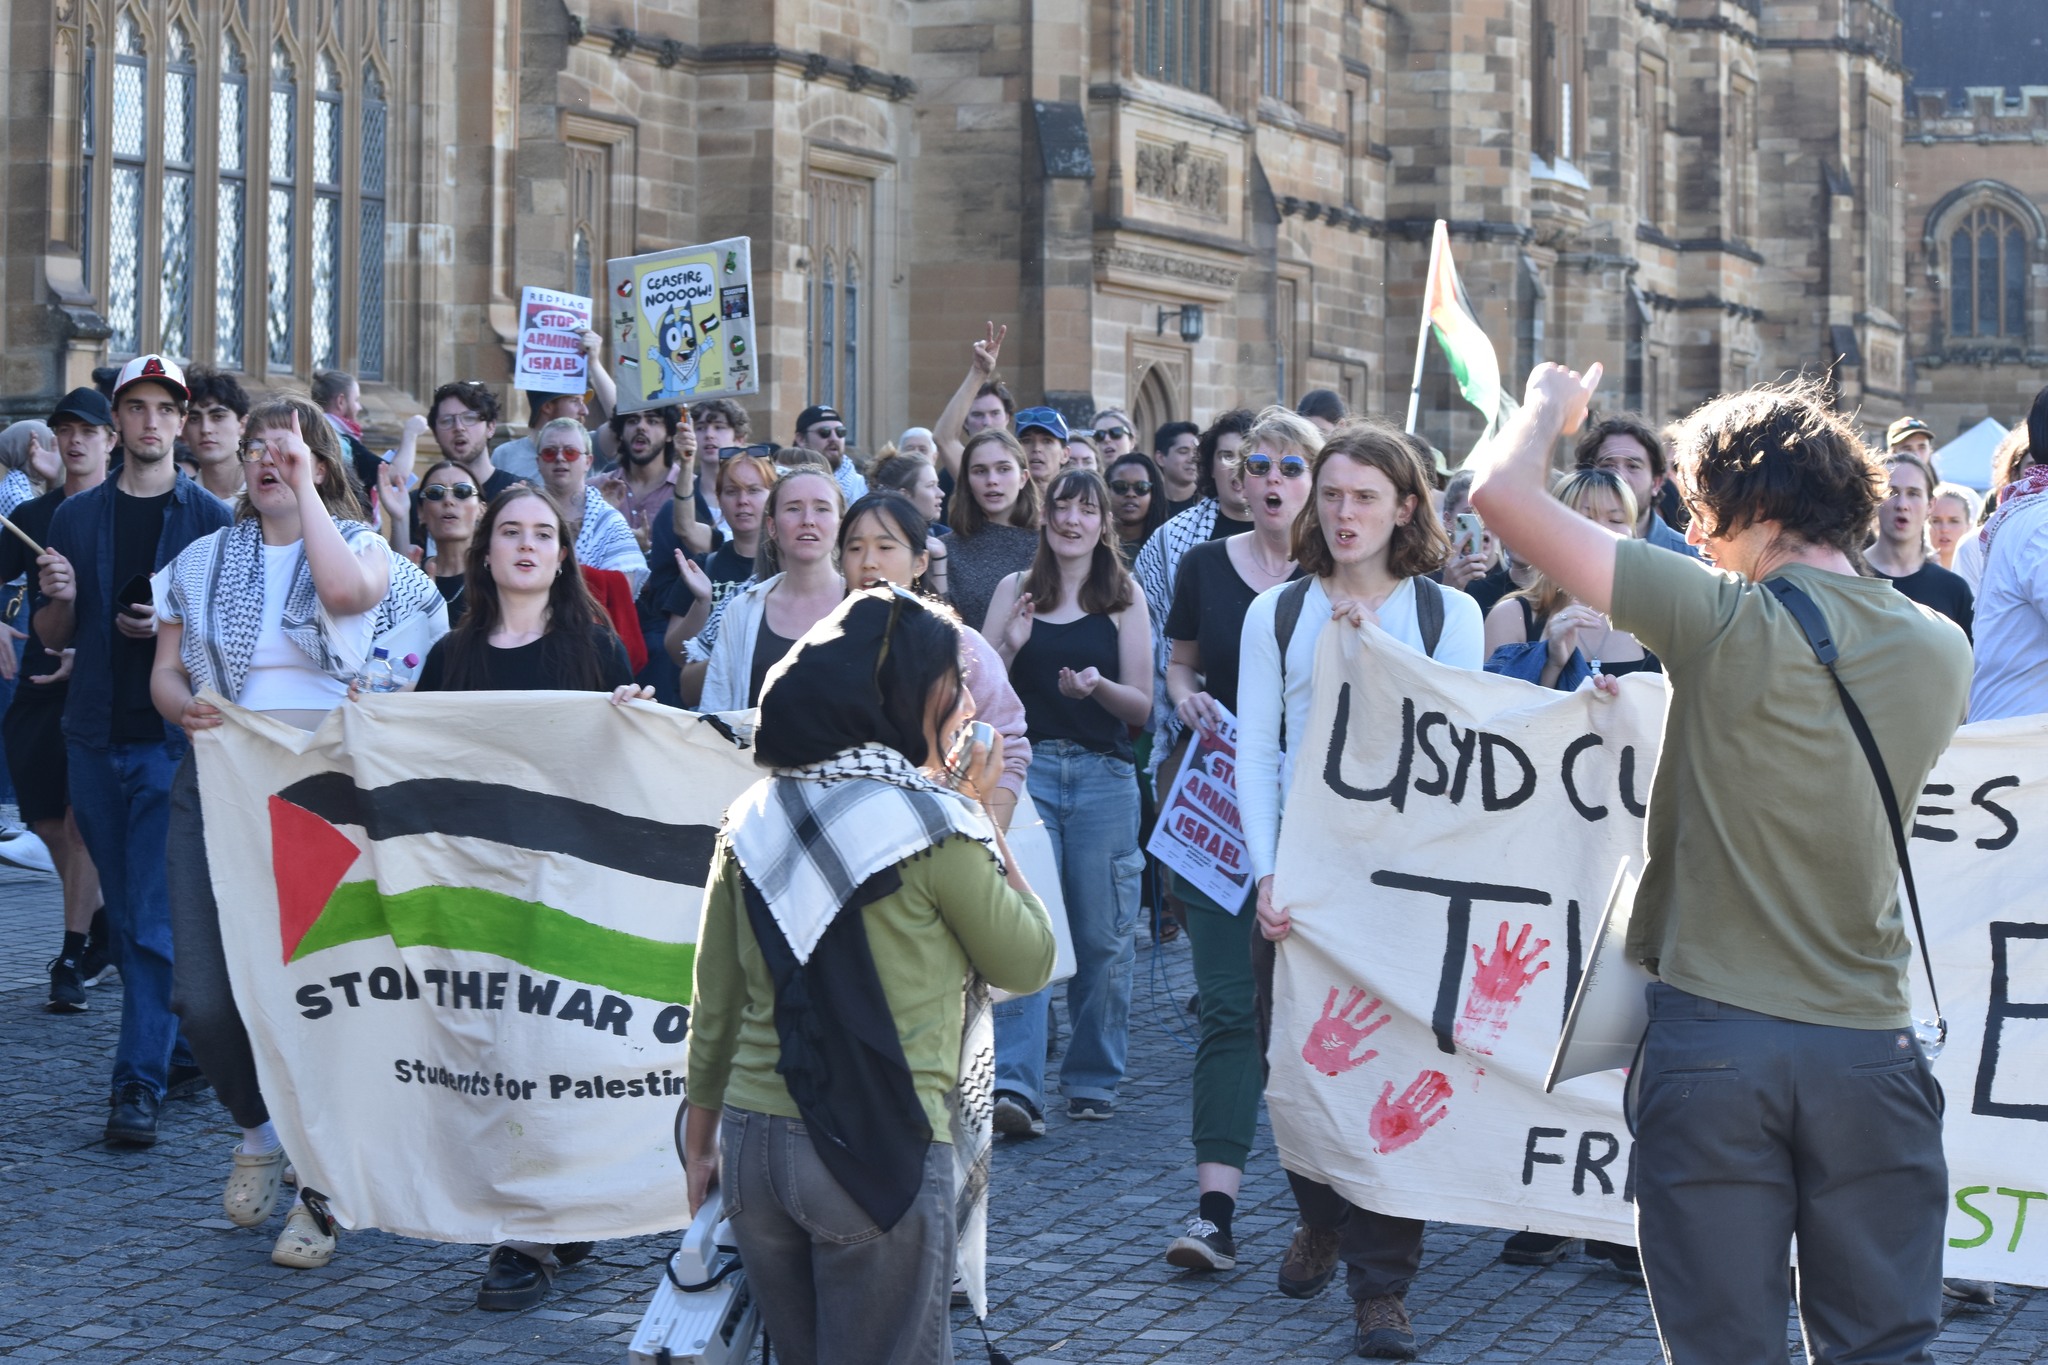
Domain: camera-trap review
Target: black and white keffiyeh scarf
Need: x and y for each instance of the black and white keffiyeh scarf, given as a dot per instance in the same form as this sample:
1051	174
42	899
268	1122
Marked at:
808	838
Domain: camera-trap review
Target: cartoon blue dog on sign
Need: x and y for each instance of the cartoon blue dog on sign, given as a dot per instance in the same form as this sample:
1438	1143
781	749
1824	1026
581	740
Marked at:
675	353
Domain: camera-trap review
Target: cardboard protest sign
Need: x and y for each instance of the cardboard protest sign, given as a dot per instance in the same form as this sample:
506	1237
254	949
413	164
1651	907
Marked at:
463	950
682	322
551	327
1199	833
1449	840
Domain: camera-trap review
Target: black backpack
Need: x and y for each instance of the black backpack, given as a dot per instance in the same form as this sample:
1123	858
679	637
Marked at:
1429	618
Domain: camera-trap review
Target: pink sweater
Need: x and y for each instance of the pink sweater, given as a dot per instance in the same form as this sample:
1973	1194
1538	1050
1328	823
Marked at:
996	702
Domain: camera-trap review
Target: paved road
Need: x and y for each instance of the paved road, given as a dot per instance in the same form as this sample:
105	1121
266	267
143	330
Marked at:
124	1256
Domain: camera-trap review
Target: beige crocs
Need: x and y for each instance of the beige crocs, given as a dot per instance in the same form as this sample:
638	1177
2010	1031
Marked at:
251	1194
304	1244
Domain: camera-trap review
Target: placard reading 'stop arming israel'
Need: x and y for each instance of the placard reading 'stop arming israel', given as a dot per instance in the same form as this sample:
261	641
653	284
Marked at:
683	324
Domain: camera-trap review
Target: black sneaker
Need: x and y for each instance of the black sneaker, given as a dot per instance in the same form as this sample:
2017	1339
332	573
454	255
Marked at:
96	964
133	1120
1092	1109
513	1281
1016	1116
1625	1260
67	987
183	1082
1204	1246
1535	1248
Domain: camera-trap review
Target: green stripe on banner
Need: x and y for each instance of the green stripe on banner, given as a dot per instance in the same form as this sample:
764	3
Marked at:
527	932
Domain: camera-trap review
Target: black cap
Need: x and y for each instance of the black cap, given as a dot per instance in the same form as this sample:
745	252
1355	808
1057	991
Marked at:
813	415
84	405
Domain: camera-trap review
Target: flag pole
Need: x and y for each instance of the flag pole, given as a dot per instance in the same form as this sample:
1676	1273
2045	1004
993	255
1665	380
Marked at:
1436	238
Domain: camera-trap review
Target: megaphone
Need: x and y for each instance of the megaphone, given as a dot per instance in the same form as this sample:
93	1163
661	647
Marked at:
702	1312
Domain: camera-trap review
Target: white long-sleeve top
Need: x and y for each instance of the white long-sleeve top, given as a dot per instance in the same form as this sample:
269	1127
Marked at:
1264	772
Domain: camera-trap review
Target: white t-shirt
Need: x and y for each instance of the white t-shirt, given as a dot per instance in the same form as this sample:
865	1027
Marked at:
1264	773
1970	559
281	677
2011	628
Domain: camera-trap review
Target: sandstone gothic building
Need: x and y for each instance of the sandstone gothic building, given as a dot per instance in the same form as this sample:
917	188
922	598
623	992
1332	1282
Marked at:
1176	205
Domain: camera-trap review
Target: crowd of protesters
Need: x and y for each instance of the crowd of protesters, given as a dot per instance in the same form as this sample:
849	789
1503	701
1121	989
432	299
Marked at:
1104	604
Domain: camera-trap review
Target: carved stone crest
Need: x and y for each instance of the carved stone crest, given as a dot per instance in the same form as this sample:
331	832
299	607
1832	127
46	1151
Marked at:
1175	173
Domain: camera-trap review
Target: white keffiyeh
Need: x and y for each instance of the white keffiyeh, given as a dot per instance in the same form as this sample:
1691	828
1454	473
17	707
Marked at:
605	541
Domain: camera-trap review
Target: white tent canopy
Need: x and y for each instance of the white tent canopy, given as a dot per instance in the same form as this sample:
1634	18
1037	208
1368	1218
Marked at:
1967	459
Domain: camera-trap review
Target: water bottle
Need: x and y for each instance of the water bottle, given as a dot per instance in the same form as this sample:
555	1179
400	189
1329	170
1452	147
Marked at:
379	676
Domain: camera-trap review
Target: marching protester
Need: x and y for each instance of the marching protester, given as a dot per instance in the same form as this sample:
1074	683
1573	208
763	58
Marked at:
1136	503
994	516
1900	551
1951	518
28	452
1115	434
1324	408
82	425
1780	1042
918	443
1217	583
743	484
521	457
981	403
339	397
1364	546
94	598
602	538
277	613
1042	433
830	984
462	418
1082	452
915	478
720	424
450	505
213	429
820	429
1476	565
1626	444
879	545
1075	632
763	620
2010	459
657	462
1538	634
1183	467
2011	674
1910	436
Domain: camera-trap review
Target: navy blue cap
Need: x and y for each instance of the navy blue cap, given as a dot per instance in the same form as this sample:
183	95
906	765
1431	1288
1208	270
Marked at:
1045	419
84	405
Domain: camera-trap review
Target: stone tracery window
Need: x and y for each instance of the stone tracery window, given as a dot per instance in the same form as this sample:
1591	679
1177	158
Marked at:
1987	275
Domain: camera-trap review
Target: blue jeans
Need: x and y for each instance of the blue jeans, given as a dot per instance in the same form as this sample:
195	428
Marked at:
121	796
1089	802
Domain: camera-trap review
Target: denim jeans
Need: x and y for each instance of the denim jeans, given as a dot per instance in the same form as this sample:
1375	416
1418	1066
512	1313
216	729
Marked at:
1089	802
834	1288
121	796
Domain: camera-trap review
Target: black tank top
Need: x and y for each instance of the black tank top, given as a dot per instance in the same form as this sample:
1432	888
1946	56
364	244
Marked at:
1089	642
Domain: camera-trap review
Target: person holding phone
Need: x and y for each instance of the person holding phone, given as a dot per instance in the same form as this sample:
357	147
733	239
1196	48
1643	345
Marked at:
93	596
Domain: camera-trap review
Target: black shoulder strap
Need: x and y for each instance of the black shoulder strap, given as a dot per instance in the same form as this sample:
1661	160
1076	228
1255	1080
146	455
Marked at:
1429	613
1286	615
1807	613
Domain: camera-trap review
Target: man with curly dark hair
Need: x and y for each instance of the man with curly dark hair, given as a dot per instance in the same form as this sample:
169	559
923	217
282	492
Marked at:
1780	1090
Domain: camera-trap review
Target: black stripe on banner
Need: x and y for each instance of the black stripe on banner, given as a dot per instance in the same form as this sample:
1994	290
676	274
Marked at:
464	809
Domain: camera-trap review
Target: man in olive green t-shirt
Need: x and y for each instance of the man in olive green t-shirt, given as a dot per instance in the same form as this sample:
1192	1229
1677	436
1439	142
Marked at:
1782	1092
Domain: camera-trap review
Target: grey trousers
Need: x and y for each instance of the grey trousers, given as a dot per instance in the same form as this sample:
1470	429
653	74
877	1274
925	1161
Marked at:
834	1288
1752	1130
1381	1253
200	994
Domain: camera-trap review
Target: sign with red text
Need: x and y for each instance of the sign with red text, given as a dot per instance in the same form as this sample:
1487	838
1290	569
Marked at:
1199	834
1447	846
551	328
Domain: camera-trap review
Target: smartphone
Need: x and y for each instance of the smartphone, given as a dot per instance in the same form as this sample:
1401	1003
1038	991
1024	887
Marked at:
136	593
1470	529
962	752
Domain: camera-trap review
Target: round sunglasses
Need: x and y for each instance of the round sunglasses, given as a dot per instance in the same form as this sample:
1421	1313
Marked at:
440	492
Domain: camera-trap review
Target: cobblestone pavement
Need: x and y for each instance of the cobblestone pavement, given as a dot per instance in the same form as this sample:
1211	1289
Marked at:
124	1256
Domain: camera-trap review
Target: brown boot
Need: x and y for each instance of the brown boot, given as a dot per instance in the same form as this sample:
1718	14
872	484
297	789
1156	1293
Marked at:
1310	1261
1383	1329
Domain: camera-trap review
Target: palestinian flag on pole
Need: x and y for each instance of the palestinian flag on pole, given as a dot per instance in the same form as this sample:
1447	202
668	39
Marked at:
1449	314
460	929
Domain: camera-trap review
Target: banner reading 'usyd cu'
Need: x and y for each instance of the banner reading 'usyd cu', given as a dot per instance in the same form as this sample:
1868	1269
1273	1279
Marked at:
468	992
1448	845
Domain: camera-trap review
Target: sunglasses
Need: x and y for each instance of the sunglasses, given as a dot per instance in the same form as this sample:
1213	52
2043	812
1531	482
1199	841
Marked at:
1130	488
441	492
1111	433
561	454
1259	466
762	449
829	433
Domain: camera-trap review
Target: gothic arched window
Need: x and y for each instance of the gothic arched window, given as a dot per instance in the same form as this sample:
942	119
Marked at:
1987	256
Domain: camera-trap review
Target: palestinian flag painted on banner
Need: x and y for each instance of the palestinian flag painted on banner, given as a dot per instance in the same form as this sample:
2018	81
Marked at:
460	929
1465	345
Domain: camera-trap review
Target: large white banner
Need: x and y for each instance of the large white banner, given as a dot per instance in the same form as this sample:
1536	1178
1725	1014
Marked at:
1448	844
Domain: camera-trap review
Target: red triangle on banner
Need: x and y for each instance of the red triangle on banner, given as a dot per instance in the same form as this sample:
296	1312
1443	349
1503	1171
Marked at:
309	857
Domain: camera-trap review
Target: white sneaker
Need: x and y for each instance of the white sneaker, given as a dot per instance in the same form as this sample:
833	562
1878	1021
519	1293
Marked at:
24	849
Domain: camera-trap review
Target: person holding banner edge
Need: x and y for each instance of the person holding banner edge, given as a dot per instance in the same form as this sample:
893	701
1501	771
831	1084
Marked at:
1779	1091
1364	543
1218	581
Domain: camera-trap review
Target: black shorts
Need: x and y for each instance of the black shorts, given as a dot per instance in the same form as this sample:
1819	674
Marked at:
34	731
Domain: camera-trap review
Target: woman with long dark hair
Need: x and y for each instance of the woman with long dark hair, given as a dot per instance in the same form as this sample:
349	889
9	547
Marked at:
832	984
1078	640
994	515
532	624
1138	502
450	504
278	612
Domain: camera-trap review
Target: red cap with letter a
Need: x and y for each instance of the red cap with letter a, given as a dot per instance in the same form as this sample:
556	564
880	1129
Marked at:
156	369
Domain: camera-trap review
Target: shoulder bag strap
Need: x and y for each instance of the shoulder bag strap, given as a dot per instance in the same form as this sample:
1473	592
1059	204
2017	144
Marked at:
1286	615
1429	613
1807	613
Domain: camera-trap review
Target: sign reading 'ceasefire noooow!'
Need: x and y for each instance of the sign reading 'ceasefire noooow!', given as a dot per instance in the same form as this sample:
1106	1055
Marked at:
1448	845
468	993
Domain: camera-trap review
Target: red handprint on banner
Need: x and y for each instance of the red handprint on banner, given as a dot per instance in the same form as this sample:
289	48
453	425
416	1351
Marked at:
1497	987
1332	1042
1397	1122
